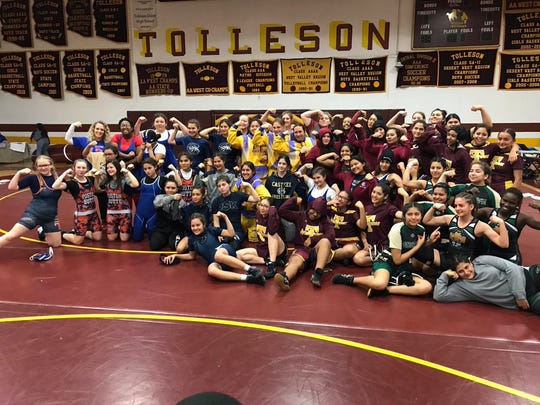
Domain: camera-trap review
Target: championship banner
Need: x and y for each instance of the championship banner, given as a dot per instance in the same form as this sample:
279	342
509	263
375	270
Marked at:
520	72
111	19
467	68
45	68
417	69
79	17
80	72
522	30
14	74
255	77
360	75
443	23
114	71
15	20
206	78
159	79
305	75
49	19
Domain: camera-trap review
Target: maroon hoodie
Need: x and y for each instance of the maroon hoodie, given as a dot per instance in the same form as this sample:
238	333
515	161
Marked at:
306	228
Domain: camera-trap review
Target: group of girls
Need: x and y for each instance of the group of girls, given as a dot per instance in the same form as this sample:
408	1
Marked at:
307	180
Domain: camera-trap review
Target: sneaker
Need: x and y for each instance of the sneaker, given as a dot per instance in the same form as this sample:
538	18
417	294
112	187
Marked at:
372	293
41	233
260	280
345	279
270	270
316	277
254	271
282	281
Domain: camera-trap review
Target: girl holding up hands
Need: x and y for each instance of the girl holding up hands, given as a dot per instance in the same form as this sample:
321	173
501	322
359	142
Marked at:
43	209
115	184
465	230
86	221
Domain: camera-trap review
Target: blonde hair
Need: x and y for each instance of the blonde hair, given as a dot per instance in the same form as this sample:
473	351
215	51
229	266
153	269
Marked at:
106	134
48	159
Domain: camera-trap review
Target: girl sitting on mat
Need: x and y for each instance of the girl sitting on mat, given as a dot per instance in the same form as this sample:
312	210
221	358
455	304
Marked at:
221	257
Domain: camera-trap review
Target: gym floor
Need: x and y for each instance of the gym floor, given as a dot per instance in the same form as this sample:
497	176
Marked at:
105	323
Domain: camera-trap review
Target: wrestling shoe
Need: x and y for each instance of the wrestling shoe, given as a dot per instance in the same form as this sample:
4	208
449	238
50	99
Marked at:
345	279
281	260
41	233
270	270
282	281
372	293
254	271
316	277
260	280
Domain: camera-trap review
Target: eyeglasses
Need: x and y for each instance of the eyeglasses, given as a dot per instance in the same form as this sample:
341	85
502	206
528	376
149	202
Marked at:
341	197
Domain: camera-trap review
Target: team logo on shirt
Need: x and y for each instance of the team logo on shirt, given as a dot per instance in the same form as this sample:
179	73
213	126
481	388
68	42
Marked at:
310	230
497	161
371	222
338	220
261	232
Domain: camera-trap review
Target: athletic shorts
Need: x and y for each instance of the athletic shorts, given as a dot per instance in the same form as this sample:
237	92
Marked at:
84	223
30	220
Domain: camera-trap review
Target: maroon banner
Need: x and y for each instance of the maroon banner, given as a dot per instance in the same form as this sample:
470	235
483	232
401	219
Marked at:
206	78
467	68
158	79
80	72
114	71
417	69
520	72
111	22
14	16
49	19
522	31
443	23
360	75
14	74
45	67
255	77
79	17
